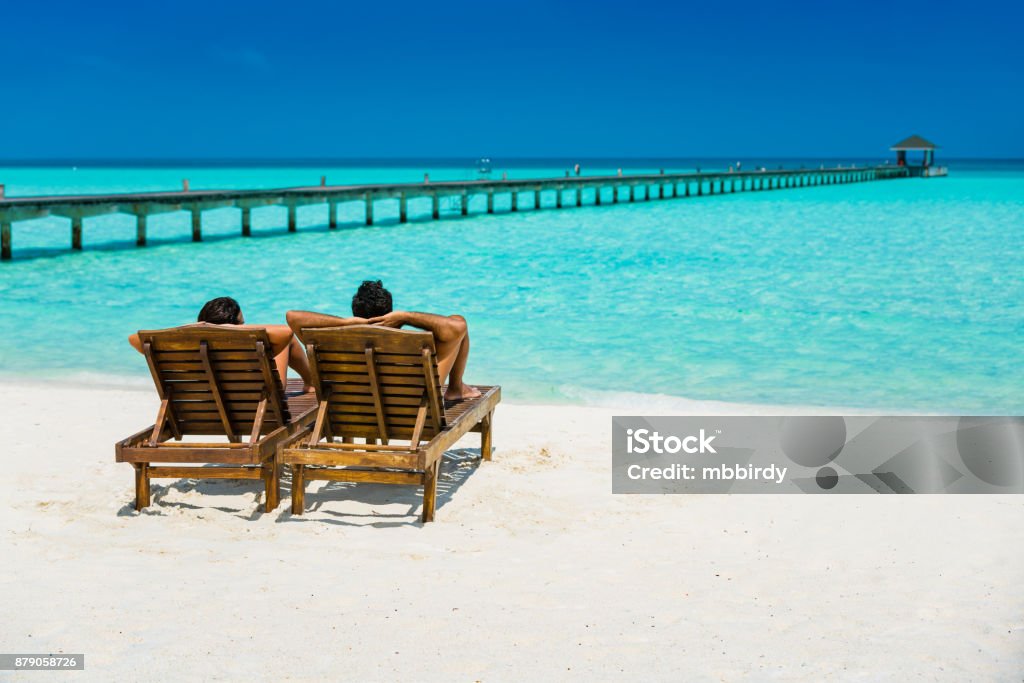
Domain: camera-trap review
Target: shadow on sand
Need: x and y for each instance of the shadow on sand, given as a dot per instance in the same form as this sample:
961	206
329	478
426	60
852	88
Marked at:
456	467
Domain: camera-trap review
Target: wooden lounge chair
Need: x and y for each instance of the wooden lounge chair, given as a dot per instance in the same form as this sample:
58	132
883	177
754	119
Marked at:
214	382
380	384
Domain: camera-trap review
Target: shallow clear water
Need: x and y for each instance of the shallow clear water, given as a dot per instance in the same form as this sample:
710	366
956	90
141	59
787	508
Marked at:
900	295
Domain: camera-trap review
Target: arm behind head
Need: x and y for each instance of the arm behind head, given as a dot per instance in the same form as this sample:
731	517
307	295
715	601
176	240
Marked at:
300	320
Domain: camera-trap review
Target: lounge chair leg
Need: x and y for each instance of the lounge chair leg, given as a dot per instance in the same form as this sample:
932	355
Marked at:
272	485
277	483
298	492
141	485
430	491
485	436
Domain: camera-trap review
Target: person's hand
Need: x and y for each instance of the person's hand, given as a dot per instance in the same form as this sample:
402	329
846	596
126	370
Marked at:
394	319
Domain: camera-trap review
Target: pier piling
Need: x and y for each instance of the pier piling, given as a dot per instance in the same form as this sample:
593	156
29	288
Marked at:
5	240
292	218
403	209
76	233
197	225
140	230
369	209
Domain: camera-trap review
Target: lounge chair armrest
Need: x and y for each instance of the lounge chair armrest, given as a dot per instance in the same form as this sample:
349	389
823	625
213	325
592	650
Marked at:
295	439
142	438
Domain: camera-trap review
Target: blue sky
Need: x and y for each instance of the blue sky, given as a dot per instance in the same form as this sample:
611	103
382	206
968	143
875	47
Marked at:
564	79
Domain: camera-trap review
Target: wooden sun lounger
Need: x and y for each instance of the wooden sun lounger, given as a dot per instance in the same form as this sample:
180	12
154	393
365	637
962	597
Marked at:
380	385
214	382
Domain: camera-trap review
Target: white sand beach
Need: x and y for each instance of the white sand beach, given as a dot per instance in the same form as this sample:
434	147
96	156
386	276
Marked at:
533	569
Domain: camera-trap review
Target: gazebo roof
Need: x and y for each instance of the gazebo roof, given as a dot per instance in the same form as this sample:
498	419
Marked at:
914	142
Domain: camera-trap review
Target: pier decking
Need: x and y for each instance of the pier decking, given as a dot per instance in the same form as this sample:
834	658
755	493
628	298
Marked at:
625	188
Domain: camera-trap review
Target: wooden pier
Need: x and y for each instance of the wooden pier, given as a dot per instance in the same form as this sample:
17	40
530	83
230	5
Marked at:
568	191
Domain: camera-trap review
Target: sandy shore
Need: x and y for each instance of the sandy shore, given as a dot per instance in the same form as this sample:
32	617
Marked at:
532	569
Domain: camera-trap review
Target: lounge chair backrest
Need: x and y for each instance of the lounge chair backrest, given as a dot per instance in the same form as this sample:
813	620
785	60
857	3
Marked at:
379	383
216	380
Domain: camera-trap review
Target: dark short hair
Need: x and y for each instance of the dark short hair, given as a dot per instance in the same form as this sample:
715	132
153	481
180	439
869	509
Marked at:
371	300
221	311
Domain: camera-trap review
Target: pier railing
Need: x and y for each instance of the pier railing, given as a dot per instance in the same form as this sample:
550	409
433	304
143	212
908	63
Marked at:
568	191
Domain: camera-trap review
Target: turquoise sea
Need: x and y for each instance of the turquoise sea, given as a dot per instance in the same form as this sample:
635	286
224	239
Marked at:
903	295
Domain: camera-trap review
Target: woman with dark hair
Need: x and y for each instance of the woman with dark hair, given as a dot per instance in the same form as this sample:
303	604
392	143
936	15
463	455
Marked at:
225	311
221	311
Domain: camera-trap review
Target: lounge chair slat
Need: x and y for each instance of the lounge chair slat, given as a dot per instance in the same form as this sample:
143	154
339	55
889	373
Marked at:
341	389
360	379
392	410
235	418
354	357
339	420
189	344
389	399
222	366
214	426
227	387
370	431
185	406
215	356
183	395
359	335
328	369
199	376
